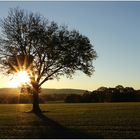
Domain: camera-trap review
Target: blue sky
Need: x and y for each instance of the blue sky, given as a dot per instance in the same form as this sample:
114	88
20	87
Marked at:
112	27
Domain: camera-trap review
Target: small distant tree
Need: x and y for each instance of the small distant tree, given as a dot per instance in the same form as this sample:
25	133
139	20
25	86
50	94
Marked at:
73	98
86	97
44	49
119	87
102	89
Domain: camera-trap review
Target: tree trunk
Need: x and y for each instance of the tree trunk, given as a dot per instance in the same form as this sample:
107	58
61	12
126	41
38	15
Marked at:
35	102
35	99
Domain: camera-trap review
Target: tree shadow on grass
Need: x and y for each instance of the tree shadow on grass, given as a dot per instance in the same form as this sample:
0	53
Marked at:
53	129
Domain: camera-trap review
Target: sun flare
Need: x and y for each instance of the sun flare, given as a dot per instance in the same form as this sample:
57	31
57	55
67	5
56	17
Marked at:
19	79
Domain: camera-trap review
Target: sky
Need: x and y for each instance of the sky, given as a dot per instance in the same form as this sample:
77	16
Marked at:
112	27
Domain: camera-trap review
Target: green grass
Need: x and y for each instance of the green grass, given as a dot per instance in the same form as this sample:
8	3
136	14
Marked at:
93	120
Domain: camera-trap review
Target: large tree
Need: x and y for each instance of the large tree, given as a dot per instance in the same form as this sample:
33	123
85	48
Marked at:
44	49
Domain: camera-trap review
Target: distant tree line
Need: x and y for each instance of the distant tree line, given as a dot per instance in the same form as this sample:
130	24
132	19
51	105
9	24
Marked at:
15	96
104	94
26	98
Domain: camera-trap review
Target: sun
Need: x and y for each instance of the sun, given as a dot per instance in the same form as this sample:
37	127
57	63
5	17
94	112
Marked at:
20	78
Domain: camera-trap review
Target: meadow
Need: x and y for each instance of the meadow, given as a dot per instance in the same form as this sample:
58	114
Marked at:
61	120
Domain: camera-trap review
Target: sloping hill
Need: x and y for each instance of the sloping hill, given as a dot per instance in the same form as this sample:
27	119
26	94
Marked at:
15	91
62	91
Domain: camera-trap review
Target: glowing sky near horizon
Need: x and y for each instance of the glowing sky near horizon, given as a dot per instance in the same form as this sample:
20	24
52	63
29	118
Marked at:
112	27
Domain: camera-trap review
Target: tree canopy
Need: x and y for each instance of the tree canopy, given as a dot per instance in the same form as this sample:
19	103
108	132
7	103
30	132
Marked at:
32	42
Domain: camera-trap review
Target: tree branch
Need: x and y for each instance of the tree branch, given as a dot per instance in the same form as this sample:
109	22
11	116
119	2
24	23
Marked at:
50	75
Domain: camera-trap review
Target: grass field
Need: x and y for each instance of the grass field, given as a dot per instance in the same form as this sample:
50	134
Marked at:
93	120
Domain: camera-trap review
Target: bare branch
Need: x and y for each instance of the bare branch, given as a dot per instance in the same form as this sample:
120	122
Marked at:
50	75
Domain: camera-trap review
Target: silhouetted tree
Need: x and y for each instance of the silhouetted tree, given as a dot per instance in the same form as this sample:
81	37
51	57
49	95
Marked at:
102	89
131	93
86	97
117	94
44	49
119	87
73	98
